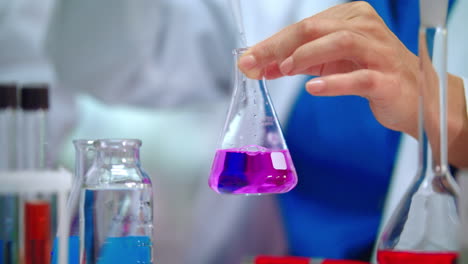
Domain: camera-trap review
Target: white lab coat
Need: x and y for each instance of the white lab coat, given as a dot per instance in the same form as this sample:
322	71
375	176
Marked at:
171	53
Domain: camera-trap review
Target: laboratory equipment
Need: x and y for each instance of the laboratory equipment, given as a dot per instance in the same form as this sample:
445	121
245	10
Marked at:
9	227
236	9
36	222
252	157
297	260
116	222
463	211
425	226
38	208
84	157
8	105
33	126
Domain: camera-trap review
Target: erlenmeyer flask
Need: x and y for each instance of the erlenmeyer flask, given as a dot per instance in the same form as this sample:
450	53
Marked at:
424	227
252	156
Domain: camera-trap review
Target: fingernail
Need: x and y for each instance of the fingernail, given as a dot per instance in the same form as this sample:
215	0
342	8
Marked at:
315	86
247	62
286	66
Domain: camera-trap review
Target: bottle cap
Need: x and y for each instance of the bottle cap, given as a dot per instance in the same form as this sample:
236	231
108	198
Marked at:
8	95
35	96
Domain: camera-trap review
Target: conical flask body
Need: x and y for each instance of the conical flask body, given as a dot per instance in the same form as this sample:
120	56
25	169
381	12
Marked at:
252	156
424	227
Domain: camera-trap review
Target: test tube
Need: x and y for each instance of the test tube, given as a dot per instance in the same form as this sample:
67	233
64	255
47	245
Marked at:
8	104
35	107
8	201
38	213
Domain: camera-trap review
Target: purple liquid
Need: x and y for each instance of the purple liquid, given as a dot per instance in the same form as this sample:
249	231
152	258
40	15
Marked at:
241	171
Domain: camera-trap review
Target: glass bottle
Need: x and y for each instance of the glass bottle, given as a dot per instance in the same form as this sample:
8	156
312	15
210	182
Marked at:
116	222
424	228
252	157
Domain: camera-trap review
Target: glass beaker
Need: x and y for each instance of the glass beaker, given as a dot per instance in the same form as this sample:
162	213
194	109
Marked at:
424	227
84	157
252	157
116	207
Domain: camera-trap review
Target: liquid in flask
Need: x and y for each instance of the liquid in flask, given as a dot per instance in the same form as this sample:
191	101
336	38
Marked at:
116	223
424	228
252	157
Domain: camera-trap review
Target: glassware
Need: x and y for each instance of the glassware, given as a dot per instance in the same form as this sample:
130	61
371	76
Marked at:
84	157
116	222
463	211
424	227
252	157
34	115
39	208
9	228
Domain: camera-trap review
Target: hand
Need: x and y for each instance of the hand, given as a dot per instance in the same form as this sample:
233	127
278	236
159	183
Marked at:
354	52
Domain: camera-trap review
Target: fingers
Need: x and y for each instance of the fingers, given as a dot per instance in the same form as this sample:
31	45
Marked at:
283	44
364	83
338	46
342	66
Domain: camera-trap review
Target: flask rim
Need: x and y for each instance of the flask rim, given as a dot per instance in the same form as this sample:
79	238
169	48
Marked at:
116	143
83	143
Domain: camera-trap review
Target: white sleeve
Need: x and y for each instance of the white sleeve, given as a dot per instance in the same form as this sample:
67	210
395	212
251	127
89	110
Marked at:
22	29
147	53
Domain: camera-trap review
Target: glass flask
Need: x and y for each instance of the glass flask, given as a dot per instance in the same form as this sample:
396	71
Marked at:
252	156
116	206
424	228
84	157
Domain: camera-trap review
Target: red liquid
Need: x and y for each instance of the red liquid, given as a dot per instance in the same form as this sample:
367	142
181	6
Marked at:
402	257
241	171
301	260
37	232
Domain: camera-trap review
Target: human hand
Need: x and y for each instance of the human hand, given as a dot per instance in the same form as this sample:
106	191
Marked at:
354	53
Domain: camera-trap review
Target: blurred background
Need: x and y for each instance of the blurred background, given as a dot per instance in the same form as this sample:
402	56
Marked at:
159	71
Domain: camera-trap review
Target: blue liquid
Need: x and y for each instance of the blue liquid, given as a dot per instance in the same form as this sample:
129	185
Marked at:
126	250
117	225
9	229
73	250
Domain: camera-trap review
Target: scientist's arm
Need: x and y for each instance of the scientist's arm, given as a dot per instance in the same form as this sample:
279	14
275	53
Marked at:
355	53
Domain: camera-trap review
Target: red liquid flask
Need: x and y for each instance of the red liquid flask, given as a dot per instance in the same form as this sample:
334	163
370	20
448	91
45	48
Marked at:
425	226
252	156
402	257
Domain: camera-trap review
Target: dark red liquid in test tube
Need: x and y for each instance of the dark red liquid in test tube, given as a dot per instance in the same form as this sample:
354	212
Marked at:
37	232
402	257
300	260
